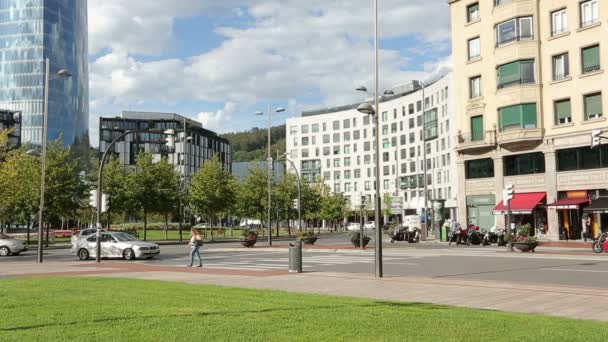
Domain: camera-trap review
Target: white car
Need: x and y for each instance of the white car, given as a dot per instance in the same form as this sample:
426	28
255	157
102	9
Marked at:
10	246
353	226
369	225
82	234
115	245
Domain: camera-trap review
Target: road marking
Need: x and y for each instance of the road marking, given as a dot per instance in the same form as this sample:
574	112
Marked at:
571	270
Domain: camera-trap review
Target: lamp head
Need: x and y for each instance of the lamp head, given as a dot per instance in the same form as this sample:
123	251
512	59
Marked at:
64	73
362	88
366	108
259	113
280	109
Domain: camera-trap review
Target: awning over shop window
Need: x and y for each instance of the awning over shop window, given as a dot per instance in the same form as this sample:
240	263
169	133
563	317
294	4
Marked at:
599	205
521	203
569	203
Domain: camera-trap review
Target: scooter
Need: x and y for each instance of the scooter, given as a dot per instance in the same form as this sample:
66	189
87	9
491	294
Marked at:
459	237
489	238
474	237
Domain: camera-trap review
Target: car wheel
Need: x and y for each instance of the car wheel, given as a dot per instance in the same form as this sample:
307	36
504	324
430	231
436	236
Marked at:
128	254
83	254
4	251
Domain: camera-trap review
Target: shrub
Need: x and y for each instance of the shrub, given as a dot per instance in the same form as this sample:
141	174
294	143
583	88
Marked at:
305	235
355	239
251	235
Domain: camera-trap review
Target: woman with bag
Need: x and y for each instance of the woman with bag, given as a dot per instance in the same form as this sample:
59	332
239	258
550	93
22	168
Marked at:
196	242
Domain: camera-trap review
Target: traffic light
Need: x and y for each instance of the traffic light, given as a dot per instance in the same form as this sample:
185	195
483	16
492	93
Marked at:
509	192
296	203
170	138
595	138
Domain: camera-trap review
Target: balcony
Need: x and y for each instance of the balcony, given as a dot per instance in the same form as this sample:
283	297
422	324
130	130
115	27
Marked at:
514	138
465	142
518	82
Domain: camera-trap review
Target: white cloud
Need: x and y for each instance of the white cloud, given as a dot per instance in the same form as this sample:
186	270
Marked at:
289	50
218	121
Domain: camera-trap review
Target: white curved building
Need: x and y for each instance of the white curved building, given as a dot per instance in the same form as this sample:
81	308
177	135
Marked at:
337	146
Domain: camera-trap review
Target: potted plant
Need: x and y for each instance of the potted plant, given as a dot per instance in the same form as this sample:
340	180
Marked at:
249	238
355	239
308	238
523	240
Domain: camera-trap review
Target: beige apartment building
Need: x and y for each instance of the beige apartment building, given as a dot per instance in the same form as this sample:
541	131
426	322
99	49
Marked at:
530	84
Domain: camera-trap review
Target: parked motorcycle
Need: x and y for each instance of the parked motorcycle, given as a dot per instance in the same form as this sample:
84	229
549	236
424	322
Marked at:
600	244
496	237
459	237
474	237
409	234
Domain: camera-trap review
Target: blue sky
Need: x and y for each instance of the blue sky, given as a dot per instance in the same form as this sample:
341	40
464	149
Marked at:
219	62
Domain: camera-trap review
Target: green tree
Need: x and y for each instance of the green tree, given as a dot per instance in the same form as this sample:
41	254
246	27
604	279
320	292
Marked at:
252	197
168	190
333	208
285	192
213	191
387	206
115	187
141	187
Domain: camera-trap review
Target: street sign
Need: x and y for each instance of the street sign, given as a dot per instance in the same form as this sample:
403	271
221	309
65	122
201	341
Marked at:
93	200
596	138
508	193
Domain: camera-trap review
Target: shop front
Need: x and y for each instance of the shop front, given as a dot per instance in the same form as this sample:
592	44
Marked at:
526	208
570	213
479	211
597	214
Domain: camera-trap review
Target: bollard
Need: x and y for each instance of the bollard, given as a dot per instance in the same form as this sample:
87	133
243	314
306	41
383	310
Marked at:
295	257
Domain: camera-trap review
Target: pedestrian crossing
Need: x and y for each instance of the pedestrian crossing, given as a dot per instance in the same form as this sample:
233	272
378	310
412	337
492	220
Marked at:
309	262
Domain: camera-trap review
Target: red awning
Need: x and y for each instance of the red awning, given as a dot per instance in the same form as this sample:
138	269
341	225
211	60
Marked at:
521	203
569	203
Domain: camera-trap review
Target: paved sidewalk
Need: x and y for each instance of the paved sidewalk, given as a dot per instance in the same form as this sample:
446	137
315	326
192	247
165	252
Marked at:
573	302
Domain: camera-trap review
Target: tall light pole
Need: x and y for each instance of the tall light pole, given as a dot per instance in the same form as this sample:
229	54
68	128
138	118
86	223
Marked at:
102	163
293	166
425	168
269	170
45	128
367	108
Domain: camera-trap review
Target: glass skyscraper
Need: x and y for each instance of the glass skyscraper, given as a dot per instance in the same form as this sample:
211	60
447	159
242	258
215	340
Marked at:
30	32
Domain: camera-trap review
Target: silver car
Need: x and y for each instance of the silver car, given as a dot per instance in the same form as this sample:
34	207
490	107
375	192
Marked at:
115	245
10	246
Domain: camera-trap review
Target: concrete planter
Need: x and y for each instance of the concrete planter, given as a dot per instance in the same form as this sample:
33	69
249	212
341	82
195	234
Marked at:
525	247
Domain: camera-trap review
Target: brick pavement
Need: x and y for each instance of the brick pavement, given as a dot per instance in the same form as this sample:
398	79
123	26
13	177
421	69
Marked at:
564	301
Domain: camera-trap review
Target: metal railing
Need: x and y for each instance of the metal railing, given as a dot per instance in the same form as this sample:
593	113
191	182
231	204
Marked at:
487	137
517	82
516	38
591	69
589	22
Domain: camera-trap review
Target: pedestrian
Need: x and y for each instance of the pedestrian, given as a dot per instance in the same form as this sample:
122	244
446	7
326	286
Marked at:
587	232
196	242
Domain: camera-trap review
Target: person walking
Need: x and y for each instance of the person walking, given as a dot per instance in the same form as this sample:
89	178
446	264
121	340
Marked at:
196	242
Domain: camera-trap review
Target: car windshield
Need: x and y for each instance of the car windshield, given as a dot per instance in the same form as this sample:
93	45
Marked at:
124	237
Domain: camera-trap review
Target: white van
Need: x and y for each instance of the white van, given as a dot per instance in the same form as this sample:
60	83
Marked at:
412	221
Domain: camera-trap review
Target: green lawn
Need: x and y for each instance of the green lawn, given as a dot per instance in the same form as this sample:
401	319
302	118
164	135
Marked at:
97	309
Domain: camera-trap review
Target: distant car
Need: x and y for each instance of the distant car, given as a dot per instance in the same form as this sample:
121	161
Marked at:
62	233
115	245
10	246
369	225
202	226
354	226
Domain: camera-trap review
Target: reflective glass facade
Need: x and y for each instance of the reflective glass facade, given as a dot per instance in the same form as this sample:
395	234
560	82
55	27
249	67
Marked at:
30	32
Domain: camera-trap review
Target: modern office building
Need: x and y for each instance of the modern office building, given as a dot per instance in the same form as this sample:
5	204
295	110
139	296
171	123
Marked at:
533	87
11	120
337	146
193	144
30	32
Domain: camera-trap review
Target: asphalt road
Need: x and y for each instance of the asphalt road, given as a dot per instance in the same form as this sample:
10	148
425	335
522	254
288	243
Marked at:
426	262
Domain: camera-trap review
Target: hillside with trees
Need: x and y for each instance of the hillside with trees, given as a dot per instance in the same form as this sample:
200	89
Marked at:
252	145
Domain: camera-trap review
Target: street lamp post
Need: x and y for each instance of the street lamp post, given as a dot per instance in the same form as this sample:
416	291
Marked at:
269	169
293	166
100	184
45	128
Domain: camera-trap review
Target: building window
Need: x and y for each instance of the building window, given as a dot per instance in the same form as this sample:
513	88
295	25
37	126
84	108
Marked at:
326	138
384	116
563	112
514	29
515	73
366	120
315	128
524	164
474	48
521	116
346	123
480	168
501	2
386	184
589	13
591	58
336	125
411	108
559	22
346	173
336	138
337	162
477	128
430	124
346	136
304	141
412	138
304	129
561	67
593	106
582	158
305	153
473	12
475	87
326	151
